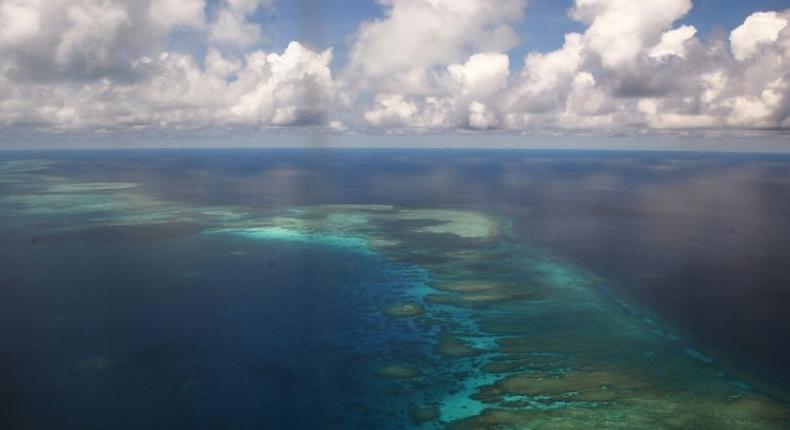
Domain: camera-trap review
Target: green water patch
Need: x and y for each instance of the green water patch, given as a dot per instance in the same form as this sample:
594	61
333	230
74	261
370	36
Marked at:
118	206
91	187
66	204
26	176
404	310
99	211
10	168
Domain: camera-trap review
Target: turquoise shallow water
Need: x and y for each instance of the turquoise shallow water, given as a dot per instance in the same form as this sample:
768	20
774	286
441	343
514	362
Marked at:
238	290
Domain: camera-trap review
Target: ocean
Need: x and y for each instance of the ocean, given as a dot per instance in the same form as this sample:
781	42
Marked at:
393	289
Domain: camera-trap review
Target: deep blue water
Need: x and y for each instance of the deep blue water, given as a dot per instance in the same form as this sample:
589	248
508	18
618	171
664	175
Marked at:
273	338
147	326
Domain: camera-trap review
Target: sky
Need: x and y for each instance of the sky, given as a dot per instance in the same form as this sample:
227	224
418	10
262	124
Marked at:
109	71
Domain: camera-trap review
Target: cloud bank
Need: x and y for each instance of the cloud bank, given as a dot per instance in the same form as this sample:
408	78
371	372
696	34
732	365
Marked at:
422	65
106	64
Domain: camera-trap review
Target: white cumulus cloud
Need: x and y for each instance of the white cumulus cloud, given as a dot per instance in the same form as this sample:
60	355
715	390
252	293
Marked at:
673	42
760	29
633	66
231	25
19	20
178	13
619	30
105	64
400	51
434	63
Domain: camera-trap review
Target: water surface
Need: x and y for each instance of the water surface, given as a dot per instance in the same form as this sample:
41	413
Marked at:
393	289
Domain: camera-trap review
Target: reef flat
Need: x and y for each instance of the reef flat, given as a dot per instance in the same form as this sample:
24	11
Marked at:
468	328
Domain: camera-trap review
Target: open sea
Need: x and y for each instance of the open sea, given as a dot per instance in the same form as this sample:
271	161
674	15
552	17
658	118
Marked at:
394	289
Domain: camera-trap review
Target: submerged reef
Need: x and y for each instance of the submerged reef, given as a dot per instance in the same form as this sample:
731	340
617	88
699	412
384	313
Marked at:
405	310
678	411
23	173
508	336
424	414
453	347
467	287
90	186
590	386
397	371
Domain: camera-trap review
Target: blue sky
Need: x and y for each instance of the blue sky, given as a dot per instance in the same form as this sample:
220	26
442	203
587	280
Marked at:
543	29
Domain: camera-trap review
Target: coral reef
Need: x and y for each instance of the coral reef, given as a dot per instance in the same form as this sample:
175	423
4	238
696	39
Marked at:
424	414
405	310
397	371
673	412
453	347
90	186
